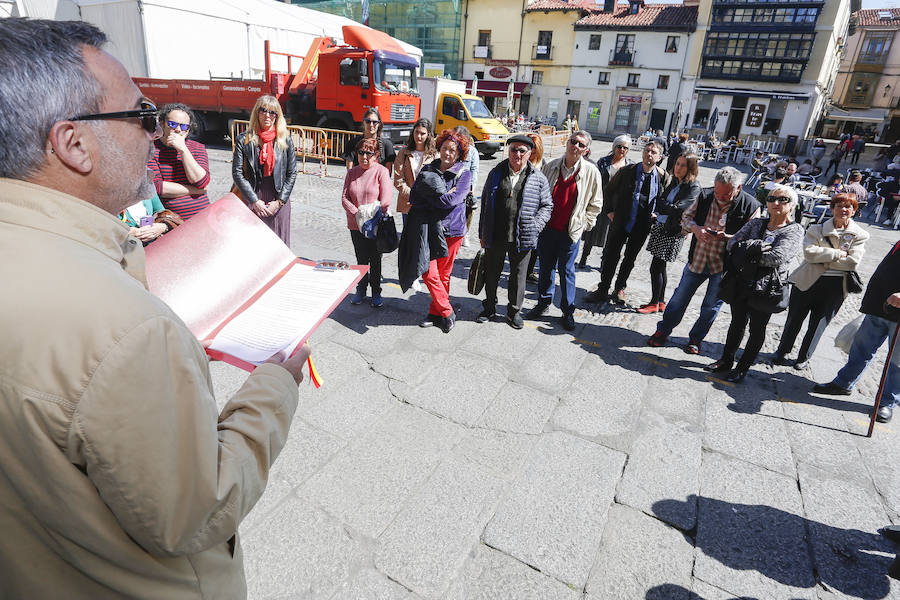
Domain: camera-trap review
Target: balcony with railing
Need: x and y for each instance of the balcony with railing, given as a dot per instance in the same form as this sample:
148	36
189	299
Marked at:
621	58
541	52
482	51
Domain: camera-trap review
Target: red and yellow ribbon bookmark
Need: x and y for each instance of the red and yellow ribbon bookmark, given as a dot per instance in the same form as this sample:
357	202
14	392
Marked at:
313	373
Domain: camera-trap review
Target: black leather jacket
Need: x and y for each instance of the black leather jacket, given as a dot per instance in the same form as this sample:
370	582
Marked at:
247	172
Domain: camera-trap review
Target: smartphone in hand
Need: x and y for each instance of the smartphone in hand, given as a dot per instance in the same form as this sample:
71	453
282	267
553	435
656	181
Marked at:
146	221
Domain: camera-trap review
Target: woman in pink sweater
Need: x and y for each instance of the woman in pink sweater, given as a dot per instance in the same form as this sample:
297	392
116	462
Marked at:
366	183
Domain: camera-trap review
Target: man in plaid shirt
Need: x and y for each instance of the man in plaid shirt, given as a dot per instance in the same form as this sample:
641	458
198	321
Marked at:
713	218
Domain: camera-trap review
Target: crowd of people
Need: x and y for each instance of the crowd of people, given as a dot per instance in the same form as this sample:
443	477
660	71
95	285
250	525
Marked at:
120	477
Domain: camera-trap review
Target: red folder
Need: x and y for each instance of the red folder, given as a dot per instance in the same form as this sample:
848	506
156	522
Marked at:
235	284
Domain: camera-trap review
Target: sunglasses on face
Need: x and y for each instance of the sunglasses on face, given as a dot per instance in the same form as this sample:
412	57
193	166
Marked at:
621	147
578	144
366	153
176	125
519	150
778	200
266	111
147	113
372	121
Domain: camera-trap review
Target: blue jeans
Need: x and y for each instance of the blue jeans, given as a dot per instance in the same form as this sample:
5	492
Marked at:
709	310
871	335
557	251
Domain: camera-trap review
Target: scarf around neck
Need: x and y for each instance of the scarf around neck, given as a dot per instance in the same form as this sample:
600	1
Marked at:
267	151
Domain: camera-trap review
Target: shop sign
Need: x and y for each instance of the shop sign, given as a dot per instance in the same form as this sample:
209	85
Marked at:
498	62
631	99
755	113
500	73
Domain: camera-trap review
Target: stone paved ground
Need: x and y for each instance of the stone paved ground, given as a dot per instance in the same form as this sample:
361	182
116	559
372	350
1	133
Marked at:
494	463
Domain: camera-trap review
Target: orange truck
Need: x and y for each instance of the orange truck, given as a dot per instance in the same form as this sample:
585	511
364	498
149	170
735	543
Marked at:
332	88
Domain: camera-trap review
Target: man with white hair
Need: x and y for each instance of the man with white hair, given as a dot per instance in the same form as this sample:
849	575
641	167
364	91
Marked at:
713	218
118	475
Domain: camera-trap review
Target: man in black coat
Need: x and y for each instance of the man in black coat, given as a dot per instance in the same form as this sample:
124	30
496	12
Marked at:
881	305
630	203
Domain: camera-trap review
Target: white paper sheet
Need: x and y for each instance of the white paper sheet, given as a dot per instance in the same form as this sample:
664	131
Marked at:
284	314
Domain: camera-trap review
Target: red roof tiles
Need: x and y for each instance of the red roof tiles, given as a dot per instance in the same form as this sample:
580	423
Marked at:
870	17
664	17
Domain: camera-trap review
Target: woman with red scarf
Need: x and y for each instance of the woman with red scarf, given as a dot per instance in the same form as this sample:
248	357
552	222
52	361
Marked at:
264	167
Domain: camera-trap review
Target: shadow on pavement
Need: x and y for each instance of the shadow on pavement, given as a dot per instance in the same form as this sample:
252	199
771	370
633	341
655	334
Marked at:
747	537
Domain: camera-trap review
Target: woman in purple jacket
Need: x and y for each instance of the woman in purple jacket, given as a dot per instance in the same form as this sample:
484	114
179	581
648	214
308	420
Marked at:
442	186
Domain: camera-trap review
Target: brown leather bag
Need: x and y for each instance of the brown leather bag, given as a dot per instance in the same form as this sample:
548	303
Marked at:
168	218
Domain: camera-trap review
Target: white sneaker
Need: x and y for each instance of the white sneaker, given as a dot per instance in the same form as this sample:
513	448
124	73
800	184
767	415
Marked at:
417	285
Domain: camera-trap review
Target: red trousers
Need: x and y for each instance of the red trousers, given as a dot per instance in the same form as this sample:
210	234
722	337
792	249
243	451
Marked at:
437	279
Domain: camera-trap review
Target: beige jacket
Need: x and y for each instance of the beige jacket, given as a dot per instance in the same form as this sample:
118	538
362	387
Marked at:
118	477
589	202
405	177
821	251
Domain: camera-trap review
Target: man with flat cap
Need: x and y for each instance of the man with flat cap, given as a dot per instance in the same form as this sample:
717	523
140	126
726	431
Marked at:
515	206
575	186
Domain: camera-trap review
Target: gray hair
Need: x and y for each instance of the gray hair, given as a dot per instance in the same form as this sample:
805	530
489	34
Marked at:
657	143
623	139
729	176
45	80
788	190
582	133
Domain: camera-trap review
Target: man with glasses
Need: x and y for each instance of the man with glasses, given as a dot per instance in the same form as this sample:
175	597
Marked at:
119	479
713	218
515	206
630	205
577	198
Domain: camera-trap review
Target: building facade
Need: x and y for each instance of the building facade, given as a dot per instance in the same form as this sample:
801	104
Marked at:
628	61
433	26
867	88
765	69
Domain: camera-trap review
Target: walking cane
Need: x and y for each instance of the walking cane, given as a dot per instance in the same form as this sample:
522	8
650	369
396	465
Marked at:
887	365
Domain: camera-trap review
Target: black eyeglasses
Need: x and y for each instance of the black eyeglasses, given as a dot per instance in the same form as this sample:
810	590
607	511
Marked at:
266	111
147	113
577	143
373	121
519	149
365	153
176	125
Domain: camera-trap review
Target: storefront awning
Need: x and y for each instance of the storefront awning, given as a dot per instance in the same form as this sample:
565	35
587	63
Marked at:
497	89
868	115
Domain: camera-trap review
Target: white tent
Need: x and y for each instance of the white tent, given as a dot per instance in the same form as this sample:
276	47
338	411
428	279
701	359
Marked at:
199	39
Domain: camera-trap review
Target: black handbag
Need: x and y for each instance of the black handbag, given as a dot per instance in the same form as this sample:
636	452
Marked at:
476	274
729	286
854	282
386	238
769	292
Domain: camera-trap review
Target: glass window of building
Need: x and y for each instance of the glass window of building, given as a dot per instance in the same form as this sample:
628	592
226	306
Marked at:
634	80
603	79
594	43
663	82
543	47
537	77
875	47
672	43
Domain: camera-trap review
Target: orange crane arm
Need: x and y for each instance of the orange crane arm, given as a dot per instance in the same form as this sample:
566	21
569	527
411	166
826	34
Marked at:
306	72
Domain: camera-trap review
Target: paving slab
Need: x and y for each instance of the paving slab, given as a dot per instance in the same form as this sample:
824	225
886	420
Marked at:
367	484
761	439
639	553
369	584
299	552
751	534
664	462
550	366
602	403
498	452
518	409
850	556
500	342
492	575
553	516
428	542
460	389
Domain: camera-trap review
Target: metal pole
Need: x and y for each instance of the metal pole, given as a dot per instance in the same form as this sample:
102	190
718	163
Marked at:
887	365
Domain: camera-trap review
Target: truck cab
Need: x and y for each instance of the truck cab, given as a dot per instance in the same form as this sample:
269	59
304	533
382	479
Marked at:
470	112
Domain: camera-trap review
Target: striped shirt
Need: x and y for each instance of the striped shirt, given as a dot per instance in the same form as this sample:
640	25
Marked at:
708	256
167	166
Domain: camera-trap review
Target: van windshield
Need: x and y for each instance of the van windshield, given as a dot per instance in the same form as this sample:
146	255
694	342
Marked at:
392	77
477	109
